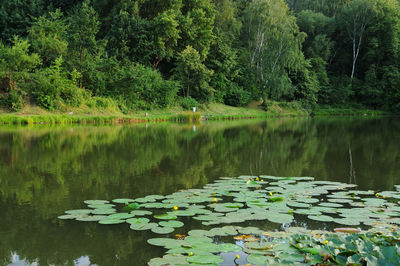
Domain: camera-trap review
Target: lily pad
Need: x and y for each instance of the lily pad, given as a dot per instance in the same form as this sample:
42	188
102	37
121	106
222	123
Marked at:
321	218
123	201
205	259
104	211
79	211
141	213
165	216
173	224
96	202
162	242
143	226
111	221
121	216
92	218
162	230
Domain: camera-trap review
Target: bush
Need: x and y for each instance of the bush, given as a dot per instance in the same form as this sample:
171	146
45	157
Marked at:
51	86
15	101
188	103
141	87
237	96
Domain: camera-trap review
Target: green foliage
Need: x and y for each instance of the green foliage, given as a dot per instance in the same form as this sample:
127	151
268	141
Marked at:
51	88
141	87
48	37
342	52
188	103
193	75
14	101
237	96
274	45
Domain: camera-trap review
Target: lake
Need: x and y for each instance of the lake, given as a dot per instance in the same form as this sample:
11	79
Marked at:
47	170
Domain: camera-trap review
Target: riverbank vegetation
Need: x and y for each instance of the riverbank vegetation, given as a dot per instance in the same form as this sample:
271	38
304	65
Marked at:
123	57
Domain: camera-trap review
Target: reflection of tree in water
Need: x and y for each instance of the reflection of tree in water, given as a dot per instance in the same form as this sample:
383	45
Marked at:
45	171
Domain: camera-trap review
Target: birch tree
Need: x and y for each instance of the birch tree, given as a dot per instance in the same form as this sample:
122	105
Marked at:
356	17
274	44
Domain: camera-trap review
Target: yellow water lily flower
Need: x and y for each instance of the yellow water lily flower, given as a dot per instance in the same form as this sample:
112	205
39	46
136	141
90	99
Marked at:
237	256
257	179
271	194
325	242
377	195
176	208
214	199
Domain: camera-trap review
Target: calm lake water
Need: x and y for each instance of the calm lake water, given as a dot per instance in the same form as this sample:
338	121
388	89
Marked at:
47	170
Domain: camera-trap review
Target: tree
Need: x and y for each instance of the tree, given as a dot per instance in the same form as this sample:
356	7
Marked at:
274	45
193	75
196	26
16	16
16	62
48	37
356	17
84	48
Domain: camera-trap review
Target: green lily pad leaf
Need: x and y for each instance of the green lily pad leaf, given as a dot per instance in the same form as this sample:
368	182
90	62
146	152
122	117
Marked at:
155	197
259	246
205	259
307	200
96	202
173	224
307	212
198	233
198	239
162	230
143	226
280	218
133	206
275	199
250	231
259	259
170	259
186	212
233	205
330	204
141	213
340	200
101	206
137	221
67	217
79	211
227	247
123	201
298	205
121	216
104	211
94	218
161	242
346	221
111	221
165	216
321	218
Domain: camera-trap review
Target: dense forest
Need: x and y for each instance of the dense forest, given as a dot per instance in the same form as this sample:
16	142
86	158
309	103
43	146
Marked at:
144	54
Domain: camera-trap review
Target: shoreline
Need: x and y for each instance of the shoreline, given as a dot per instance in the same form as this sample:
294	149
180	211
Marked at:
233	113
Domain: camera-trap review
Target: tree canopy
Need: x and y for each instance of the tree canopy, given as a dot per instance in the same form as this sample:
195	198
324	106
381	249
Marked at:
136	54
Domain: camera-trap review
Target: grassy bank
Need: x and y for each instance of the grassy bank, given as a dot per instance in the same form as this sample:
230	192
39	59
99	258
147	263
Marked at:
34	115
329	111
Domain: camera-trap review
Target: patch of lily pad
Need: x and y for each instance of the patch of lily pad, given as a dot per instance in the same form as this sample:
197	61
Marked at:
228	202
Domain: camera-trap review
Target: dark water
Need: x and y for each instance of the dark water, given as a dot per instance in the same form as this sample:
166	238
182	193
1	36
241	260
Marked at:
45	171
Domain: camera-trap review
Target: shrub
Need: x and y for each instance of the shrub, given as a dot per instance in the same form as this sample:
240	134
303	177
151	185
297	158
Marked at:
237	96
188	103
15	101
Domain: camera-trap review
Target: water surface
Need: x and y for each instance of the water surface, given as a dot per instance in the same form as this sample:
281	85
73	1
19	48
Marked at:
47	170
